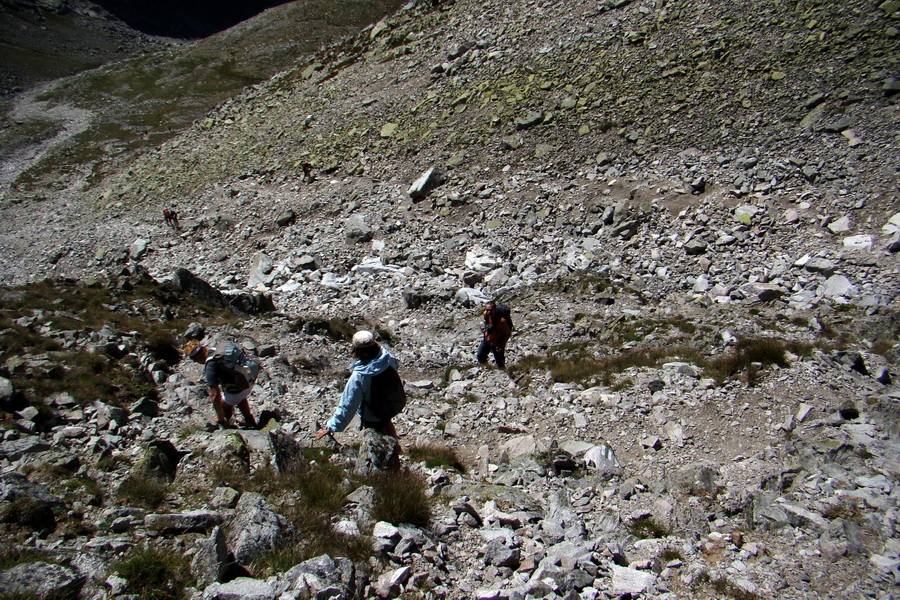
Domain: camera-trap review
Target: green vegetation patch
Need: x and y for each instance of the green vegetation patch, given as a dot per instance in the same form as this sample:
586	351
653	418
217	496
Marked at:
48	333
646	528
435	456
749	355
155	573
585	369
143	490
401	498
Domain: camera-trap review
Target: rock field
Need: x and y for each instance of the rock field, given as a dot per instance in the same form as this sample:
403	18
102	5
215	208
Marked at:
653	187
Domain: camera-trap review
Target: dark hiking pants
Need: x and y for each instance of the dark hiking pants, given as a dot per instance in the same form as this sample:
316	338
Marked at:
498	353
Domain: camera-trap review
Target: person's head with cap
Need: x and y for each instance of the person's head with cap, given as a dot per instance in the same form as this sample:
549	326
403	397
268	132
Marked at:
364	346
195	351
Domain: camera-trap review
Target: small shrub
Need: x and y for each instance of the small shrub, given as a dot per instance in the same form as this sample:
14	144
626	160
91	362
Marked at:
581	369
155	573
670	554
162	344
436	456
142	490
748	353
400	498
882	347
647	528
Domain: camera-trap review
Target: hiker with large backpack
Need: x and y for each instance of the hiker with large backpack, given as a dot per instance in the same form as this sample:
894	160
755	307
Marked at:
496	329
374	391
230	375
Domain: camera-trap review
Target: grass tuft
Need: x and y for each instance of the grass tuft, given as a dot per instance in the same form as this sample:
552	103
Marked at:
582	369
400	497
646	528
155	573
435	456
142	490
749	355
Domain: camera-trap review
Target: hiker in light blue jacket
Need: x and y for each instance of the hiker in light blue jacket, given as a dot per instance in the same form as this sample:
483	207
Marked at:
372	360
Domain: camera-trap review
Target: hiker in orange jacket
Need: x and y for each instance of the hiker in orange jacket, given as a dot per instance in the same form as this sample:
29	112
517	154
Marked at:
496	331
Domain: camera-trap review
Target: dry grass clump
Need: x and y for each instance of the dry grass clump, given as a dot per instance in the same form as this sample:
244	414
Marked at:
155	573
401	497
434	456
584	369
750	355
143	490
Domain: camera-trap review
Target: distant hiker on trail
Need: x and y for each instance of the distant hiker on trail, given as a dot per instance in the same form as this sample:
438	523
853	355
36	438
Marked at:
496	330
307	172
374	392
171	217
230	376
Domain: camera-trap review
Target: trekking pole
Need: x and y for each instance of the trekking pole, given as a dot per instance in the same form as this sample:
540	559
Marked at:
331	435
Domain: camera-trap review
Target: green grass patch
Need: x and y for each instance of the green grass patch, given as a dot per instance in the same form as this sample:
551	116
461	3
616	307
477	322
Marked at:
142	490
647	528
42	338
11	557
435	456
310	496
586	369
400	497
155	573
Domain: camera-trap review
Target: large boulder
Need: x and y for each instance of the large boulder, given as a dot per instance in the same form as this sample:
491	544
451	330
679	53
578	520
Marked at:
40	580
256	529
189	283
377	452
323	577
210	558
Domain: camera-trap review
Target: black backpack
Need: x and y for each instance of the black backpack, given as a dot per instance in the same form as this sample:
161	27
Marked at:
503	311
237	371
386	396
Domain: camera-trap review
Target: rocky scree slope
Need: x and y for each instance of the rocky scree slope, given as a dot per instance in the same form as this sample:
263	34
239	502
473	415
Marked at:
644	477
665	484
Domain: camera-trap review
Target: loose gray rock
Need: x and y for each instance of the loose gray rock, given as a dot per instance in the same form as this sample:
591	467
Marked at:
175	523
261	267
242	588
39	580
377	452
357	230
257	528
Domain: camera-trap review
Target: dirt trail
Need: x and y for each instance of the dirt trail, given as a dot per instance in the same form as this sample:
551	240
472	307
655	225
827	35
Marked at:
27	107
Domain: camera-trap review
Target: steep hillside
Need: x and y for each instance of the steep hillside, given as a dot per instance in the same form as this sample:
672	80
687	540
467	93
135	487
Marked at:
40	41
66	135
685	90
691	208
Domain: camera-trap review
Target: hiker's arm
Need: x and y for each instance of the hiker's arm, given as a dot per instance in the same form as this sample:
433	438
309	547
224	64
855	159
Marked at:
349	404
